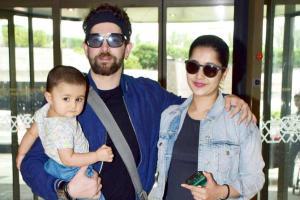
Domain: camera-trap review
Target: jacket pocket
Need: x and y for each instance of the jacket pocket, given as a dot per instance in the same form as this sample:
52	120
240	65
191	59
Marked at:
228	160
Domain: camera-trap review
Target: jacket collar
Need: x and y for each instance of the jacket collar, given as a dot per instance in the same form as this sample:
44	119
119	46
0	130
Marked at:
214	112
123	82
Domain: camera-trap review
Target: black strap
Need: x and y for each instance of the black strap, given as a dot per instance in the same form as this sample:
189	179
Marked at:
118	139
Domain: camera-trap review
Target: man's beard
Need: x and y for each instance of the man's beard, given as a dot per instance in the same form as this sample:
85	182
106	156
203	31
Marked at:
104	68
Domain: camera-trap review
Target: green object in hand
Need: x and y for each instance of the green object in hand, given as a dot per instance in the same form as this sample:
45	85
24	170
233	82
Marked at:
197	179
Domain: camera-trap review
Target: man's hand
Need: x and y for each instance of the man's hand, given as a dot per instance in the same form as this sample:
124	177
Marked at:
82	186
239	106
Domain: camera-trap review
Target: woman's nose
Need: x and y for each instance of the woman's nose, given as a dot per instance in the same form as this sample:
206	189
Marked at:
200	73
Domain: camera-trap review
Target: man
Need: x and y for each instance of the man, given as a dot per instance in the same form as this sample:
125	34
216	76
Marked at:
136	105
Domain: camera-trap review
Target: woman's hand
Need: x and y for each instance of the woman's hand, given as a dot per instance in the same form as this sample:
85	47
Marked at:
211	191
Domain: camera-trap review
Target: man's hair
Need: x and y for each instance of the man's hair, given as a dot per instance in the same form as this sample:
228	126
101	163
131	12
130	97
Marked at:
297	95
108	13
66	74
215	43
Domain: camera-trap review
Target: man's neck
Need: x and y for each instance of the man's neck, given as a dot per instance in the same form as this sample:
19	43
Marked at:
107	82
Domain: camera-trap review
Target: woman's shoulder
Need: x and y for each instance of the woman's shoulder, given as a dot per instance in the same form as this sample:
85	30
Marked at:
175	110
172	109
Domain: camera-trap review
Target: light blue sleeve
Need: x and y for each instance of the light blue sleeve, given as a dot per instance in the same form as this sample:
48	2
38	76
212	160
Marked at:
251	177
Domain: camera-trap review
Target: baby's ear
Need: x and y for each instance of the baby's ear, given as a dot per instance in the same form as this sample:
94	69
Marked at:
48	97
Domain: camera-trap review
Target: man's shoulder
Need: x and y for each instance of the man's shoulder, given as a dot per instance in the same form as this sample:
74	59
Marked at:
140	79
140	82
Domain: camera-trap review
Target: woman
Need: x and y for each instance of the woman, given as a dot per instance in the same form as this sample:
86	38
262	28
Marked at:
200	135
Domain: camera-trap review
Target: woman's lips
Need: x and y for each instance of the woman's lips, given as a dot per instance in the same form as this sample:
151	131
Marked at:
199	84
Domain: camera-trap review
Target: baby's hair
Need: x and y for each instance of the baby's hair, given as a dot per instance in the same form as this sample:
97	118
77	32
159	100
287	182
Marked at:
66	74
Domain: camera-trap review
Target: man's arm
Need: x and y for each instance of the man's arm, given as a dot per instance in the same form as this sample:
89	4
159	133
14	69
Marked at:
32	170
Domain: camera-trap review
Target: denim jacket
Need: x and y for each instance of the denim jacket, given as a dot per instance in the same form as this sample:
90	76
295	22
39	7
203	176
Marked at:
228	150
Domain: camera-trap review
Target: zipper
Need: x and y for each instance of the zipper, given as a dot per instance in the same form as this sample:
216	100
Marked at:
141	156
101	165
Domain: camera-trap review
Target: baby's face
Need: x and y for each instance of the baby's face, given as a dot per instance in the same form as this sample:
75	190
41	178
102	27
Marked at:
66	100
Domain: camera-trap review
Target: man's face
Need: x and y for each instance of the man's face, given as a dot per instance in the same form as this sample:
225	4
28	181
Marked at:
106	60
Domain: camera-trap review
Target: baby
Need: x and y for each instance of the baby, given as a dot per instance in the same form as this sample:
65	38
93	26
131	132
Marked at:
59	131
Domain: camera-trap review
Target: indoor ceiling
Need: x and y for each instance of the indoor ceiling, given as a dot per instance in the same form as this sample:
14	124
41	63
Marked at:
150	14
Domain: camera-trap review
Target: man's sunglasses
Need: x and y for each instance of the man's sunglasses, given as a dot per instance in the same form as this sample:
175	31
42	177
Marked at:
114	40
209	70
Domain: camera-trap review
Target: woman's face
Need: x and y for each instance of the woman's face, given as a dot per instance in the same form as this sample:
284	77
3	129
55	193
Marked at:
199	83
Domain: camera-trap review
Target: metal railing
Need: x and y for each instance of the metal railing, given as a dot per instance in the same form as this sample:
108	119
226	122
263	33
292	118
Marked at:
286	129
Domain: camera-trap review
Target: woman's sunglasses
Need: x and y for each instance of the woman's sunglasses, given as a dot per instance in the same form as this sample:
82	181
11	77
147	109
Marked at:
209	70
114	40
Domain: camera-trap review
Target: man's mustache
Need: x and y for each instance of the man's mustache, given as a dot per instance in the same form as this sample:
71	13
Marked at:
104	55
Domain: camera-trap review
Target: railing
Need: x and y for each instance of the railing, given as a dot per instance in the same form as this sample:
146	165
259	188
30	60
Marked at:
286	129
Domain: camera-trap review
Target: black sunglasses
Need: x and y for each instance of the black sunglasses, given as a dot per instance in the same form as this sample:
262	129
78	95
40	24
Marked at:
209	70
114	40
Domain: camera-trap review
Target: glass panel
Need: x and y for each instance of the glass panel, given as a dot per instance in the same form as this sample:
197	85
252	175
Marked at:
277	62
43	61
5	137
24	94
72	37
217	21
294	143
22	66
284	125
143	59
23	100
43	56
295	106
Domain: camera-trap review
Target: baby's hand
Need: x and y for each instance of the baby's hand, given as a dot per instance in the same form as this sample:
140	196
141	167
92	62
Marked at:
104	153
19	159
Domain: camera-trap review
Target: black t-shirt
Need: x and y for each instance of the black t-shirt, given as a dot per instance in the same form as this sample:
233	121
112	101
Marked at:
115	179
184	160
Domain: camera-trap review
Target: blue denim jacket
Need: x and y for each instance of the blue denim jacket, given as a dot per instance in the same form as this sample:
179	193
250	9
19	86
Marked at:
231	152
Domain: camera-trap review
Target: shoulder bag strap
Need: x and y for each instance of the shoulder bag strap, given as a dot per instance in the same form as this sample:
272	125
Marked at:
118	139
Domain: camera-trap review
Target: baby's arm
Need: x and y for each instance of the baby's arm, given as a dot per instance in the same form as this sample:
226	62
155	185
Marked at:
69	158
27	141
